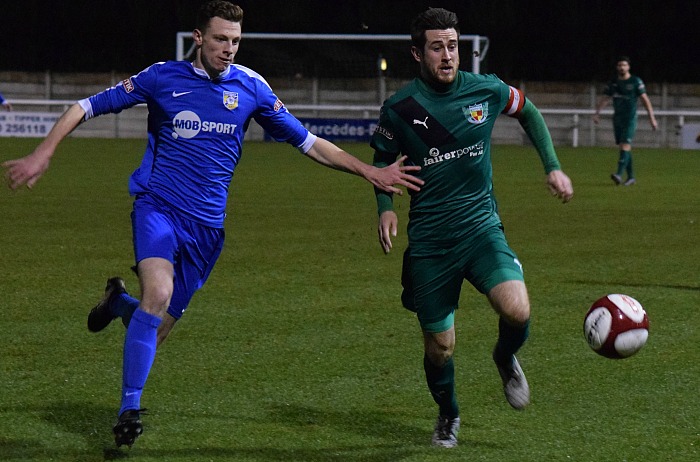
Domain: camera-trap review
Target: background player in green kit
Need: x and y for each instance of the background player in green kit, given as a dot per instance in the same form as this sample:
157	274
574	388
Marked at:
443	122
624	91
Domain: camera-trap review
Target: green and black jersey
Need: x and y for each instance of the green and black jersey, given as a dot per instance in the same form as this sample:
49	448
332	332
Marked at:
448	134
625	94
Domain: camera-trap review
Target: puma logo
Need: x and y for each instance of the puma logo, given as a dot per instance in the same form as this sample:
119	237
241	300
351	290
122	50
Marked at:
423	123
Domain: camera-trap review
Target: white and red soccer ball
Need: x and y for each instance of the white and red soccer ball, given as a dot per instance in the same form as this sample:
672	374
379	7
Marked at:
616	326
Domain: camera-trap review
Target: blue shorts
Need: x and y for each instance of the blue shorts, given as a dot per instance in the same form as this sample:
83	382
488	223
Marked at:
161	231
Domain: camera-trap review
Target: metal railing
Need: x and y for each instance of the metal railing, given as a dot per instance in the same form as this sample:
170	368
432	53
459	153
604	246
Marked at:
579	119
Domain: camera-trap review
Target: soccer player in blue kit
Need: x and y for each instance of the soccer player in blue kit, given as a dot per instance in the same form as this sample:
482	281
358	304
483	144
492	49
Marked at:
198	115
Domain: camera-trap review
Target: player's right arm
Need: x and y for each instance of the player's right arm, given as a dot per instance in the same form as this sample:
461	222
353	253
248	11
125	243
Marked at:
386	228
602	102
386	150
388	221
27	170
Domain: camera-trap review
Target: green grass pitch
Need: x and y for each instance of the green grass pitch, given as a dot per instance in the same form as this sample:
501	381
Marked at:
297	349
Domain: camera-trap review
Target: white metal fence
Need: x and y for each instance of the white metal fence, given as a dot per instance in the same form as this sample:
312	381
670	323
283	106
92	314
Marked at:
569	126
567	107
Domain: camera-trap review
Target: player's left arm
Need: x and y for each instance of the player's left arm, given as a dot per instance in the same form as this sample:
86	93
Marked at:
274	117
330	155
650	110
534	125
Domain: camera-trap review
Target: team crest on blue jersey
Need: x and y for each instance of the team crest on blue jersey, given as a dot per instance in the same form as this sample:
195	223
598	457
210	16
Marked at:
128	85
476	113
230	100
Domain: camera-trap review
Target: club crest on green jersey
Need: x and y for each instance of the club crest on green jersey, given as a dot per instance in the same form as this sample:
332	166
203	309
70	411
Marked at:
476	113
230	100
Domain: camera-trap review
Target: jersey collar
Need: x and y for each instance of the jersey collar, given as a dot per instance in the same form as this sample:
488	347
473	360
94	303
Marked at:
203	73
445	91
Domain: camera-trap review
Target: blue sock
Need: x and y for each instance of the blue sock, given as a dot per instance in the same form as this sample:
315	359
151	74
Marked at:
139	353
124	306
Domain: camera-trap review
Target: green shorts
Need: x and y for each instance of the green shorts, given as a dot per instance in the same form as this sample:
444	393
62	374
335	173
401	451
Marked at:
432	280
624	129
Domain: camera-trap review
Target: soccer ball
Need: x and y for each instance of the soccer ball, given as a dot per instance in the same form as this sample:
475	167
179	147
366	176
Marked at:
616	326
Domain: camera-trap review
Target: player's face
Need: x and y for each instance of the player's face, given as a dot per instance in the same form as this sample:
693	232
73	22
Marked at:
218	45
623	68
439	59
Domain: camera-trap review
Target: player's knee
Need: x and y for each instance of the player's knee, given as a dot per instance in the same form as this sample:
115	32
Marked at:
517	312
156	300
518	315
440	357
511	302
439	351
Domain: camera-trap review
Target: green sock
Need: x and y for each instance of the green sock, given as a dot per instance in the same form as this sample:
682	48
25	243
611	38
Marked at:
510	339
622	162
630	170
441	383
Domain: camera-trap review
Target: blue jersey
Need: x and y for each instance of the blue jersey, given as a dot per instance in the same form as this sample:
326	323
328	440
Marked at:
2	99
196	127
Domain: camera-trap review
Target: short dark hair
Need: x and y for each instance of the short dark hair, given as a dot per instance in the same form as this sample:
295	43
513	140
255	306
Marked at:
623	58
432	19
218	9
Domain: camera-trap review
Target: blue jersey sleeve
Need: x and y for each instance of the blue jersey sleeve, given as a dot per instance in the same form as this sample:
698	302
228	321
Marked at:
276	120
196	127
129	92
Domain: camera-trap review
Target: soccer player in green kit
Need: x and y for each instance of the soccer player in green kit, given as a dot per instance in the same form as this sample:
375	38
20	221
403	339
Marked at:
624	91
443	122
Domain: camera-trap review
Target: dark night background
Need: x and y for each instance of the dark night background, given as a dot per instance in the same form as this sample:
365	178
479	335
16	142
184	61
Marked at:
544	40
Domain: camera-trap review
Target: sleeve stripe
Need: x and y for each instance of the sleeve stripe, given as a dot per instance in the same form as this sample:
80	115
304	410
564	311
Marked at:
516	101
87	107
308	143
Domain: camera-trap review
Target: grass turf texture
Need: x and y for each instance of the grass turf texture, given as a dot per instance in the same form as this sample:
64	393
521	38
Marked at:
297	349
